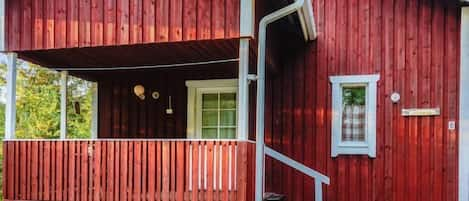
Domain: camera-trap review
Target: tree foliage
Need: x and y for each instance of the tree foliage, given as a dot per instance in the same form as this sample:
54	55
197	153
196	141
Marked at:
38	104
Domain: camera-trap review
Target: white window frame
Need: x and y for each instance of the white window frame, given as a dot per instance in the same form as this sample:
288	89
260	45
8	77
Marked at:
368	147
195	89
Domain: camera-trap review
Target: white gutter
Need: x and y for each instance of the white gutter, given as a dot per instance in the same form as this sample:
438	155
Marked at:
298	6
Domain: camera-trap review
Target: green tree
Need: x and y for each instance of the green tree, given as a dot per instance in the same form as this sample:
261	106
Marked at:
38	104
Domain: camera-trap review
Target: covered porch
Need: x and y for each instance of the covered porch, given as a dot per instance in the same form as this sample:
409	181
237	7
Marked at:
144	145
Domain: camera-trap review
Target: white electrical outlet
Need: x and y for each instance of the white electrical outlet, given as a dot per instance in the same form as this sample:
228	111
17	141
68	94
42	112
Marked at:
451	125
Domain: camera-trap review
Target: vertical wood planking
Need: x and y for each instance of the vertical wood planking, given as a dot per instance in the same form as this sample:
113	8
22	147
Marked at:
59	170
123	170
85	24
97	22
232	18
110	171
110	24
122	34
53	24
195	168
14	24
189	20
144	170
22	170
137	171
159	177
180	176
224	171
38	25
210	172
26	24
175	20
47	166
73	22
60	21
203	19
49	30
162	21
218	18
151	170
34	170
165	169
135	21
96	171
149	20
72	159
84	185
130	190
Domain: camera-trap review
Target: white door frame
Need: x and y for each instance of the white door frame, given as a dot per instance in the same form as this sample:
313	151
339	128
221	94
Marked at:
464	108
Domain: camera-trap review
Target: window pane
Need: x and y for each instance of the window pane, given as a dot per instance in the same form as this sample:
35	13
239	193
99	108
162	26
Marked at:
228	118
209	133
353	113
210	101
228	133
209	118
228	100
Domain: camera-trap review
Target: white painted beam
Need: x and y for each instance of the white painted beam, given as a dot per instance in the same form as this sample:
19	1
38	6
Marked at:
246	18
464	109
63	104
243	90
10	105
94	112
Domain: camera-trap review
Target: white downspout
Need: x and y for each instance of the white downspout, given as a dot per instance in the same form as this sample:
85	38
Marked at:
265	21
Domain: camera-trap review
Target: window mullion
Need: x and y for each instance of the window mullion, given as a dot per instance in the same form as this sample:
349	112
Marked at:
218	117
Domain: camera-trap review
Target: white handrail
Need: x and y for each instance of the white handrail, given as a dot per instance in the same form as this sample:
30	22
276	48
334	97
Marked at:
319	178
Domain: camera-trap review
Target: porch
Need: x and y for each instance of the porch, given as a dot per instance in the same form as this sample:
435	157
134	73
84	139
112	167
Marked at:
129	170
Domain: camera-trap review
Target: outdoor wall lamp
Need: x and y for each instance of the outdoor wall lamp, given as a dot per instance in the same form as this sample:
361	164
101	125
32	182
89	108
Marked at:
139	91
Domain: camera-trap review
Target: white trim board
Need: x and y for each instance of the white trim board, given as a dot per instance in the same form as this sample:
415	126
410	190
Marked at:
464	108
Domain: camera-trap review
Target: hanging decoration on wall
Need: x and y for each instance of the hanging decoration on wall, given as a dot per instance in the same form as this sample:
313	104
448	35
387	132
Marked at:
76	105
155	95
139	91
170	108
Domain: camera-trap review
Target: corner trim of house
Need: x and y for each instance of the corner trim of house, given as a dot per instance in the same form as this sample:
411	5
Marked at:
464	108
2	25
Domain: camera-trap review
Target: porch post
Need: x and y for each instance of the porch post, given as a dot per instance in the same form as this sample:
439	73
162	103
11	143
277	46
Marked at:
464	108
94	112
10	107
63	104
243	90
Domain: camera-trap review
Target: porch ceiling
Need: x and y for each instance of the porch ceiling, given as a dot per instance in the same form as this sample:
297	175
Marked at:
134	55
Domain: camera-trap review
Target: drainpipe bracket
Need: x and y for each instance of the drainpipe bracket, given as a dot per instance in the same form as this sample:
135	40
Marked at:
252	78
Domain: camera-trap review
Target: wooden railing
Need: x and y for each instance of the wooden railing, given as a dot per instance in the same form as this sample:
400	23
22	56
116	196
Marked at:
135	170
319	178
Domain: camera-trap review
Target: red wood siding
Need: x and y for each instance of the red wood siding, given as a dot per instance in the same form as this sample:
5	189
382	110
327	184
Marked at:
128	170
52	24
123	115
414	46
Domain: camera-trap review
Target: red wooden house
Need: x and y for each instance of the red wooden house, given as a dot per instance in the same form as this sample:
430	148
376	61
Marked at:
227	99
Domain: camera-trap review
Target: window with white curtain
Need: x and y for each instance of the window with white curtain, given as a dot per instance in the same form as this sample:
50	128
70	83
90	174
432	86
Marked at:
354	115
